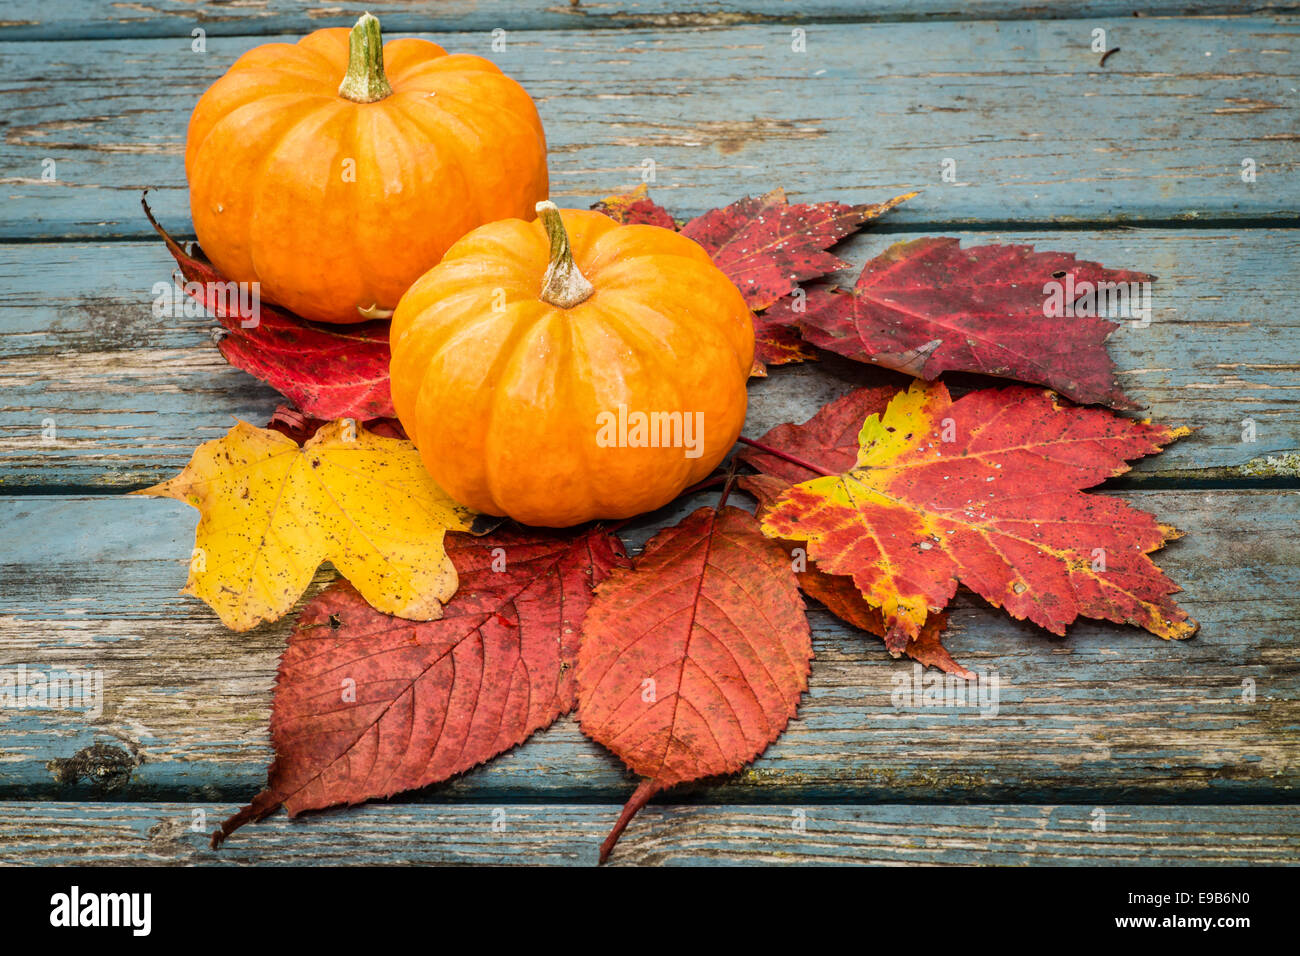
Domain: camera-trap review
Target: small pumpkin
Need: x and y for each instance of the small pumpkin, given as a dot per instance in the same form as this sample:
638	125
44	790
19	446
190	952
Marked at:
337	196
570	368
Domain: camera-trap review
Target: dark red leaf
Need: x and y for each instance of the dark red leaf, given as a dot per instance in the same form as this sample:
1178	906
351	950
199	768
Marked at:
828	440
766	246
367	705
328	371
928	306
635	208
776	331
292	423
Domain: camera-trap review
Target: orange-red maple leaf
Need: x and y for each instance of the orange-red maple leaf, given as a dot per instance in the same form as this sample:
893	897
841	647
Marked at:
693	662
829	443
986	491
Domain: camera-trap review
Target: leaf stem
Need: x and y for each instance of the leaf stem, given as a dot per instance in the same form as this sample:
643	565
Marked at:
365	81
563	285
769	450
640	797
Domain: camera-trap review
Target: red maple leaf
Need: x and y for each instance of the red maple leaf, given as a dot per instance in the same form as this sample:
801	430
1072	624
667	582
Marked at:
828	443
328	371
367	705
776	330
635	209
694	662
987	491
929	306
766	246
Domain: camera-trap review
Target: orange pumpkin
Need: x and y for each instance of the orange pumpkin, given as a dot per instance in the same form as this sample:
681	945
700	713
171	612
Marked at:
337	197
570	368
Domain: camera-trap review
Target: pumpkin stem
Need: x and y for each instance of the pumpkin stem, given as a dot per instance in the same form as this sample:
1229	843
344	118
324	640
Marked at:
365	81
563	285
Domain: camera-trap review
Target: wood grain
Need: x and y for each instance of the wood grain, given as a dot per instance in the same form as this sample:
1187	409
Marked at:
163	834
129	394
1038	131
100	19
1110	713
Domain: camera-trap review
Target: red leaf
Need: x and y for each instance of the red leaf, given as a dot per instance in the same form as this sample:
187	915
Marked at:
776	331
292	423
328	371
430	700
635	208
987	491
766	246
694	662
829	440
841	597
928	306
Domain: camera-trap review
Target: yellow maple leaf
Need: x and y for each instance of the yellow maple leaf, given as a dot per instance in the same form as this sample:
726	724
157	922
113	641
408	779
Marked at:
273	511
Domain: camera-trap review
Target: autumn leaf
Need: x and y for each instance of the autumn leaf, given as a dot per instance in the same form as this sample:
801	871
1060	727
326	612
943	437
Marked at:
929	306
635	208
271	512
828	443
776	331
292	423
328	371
986	491
839	595
694	662
766	246
367	705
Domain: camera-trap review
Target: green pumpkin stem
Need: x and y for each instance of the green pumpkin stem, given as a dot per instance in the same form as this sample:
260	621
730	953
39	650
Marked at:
365	81
563	285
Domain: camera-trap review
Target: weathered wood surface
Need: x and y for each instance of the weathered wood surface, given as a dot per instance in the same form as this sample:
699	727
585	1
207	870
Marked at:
1038	130
1111	713
129	394
1050	147
95	19
568	834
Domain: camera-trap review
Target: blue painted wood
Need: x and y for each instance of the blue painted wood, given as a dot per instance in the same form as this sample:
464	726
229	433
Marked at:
129	394
54	834
104	19
1111	713
1040	132
1036	129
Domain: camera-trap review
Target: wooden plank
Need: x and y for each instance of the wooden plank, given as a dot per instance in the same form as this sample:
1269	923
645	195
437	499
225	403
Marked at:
106	19
1038	131
1110	714
129	394
162	834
